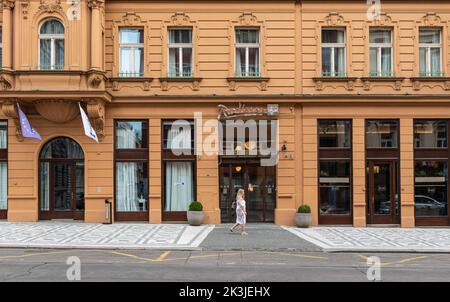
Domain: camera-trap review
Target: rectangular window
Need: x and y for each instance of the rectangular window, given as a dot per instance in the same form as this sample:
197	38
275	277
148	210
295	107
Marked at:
247	53
180	53
430	134
381	59
381	134
131	52
431	180
430	52
335	134
333	52
131	169
179	166
335	192
3	166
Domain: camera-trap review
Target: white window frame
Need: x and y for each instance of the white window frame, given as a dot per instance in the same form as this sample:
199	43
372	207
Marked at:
247	46
133	58
333	47
428	47
180	47
52	38
1	46
379	47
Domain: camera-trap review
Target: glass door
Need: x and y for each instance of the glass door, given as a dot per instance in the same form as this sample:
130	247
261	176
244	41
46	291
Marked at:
383	201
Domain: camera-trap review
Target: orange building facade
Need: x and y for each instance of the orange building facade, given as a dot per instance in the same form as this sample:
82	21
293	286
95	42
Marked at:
354	106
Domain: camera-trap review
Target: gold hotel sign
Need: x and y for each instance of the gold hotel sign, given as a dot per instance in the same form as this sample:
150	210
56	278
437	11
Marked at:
243	111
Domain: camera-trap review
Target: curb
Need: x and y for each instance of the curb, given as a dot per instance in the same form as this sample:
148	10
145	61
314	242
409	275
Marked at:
93	247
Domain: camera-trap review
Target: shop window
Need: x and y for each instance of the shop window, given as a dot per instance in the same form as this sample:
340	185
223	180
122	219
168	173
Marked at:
3	165
431	187
131	167
381	134
430	134
247	53
335	191
333	52
131	52
335	134
180	52
51	45
381	59
179	162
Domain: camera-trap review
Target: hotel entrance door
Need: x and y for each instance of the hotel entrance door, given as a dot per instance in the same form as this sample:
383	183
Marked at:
260	190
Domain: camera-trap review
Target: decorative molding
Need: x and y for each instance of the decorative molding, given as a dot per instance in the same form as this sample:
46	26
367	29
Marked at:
166	80
247	19
261	80
8	4
96	78
334	19
96	4
131	19
96	113
180	19
6	80
24	5
145	82
50	6
431	19
349	82
9	109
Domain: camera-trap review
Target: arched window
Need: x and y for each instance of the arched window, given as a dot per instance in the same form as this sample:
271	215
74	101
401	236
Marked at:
51	45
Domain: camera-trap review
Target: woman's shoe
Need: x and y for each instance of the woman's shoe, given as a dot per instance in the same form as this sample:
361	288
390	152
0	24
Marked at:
244	233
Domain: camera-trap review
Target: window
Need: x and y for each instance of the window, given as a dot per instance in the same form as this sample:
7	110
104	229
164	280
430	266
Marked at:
335	191
381	134
335	134
431	181
333	52
131	157
3	166
131	52
430	53
180	53
247	53
179	167
430	134
381	59
51	45
1	45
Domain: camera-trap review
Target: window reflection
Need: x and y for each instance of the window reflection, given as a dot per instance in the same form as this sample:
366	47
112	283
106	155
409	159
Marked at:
335	188
381	134
431	188
430	134
335	134
129	135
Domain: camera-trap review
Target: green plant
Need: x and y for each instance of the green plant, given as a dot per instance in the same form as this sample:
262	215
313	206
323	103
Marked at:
304	209
196	206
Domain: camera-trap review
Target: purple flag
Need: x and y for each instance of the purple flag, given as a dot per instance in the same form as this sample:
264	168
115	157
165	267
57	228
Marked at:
27	130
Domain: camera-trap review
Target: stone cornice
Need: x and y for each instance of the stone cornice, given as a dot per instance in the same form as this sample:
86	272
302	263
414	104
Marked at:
96	3
9	4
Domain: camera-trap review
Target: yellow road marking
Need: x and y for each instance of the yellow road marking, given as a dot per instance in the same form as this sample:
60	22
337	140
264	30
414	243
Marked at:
299	255
31	255
396	262
131	256
163	256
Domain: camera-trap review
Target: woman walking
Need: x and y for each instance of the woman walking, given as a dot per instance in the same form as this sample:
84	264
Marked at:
241	212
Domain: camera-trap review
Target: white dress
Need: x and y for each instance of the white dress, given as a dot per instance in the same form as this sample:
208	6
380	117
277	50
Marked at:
240	215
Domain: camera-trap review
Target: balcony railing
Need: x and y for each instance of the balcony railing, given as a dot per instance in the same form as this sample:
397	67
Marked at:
432	74
130	74
382	74
336	74
253	71
175	72
51	67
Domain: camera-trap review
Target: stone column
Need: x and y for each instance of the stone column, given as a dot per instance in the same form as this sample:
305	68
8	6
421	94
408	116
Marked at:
96	33
7	39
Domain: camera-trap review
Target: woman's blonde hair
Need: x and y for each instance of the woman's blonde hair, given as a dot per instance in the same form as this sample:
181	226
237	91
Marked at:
240	192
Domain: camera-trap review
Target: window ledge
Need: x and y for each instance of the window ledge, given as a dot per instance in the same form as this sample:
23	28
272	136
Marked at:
180	79
382	79
248	79
131	79
334	79
430	79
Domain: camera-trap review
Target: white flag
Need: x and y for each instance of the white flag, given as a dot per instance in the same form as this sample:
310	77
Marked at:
88	130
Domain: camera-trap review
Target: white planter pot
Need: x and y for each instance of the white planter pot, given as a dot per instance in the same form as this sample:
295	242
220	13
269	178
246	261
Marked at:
303	220
195	218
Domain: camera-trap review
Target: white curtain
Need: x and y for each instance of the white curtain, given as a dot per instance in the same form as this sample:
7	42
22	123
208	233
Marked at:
127	187
126	138
435	61
179	138
45	194
179	186
3	186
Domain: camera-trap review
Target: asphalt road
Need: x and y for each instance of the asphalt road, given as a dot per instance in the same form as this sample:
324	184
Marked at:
103	265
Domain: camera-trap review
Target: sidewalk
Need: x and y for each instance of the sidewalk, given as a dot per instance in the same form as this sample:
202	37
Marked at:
99	236
349	239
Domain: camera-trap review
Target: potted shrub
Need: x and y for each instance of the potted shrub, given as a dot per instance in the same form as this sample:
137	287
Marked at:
195	214
303	216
